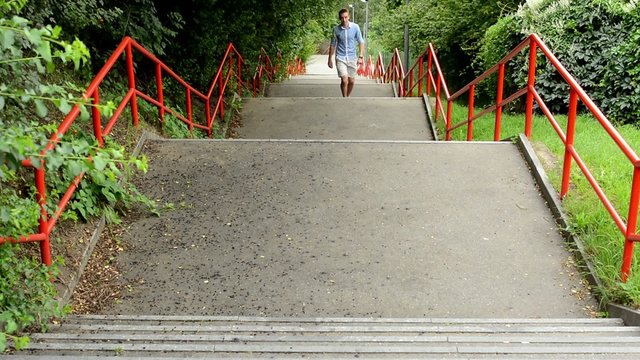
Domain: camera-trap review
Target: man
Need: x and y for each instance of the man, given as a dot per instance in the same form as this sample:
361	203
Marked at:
343	45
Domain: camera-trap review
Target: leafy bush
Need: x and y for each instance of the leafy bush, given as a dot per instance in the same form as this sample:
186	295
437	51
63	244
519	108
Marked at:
31	108
26	296
597	41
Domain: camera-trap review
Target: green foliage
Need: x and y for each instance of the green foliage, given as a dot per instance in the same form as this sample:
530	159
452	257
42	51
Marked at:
101	24
454	27
26	296
248	24
31	109
597	41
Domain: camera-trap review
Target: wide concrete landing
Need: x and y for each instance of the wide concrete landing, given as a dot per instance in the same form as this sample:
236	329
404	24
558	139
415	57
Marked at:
310	229
323	89
335	118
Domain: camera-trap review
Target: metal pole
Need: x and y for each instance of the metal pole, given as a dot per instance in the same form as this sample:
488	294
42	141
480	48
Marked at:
366	26
406	42
353	6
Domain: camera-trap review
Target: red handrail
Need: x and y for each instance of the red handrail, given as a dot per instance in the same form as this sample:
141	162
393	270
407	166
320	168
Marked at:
395	73
534	43
232	62
263	68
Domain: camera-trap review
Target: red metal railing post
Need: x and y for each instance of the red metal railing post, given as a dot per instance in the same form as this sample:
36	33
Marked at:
160	92
207	108
472	91
497	130
189	113
97	121
632	222
41	197
448	122
221	96
533	50
420	73
438	87
429	64
571	130
132	85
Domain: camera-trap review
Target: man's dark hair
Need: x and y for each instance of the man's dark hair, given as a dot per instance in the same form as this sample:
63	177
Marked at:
342	11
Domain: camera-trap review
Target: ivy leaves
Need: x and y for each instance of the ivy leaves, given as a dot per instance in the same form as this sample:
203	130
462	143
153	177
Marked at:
26	296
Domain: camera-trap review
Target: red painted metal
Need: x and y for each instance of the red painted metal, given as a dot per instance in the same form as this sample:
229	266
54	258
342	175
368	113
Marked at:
95	111
233	63
499	95
160	90
535	46
472	91
530	87
132	85
631	234
571	131
41	197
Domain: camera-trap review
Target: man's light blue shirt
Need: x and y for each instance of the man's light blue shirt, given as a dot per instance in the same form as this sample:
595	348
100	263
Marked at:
344	41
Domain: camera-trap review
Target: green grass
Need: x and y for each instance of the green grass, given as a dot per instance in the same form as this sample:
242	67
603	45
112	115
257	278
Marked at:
589	219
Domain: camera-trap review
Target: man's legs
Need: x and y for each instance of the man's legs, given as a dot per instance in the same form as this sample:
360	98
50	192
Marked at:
345	85
352	81
347	74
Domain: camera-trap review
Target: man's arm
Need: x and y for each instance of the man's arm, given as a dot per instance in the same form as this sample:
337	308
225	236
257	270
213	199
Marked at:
361	57
331	51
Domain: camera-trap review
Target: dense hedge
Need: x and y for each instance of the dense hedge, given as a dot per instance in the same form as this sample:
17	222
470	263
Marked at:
597	41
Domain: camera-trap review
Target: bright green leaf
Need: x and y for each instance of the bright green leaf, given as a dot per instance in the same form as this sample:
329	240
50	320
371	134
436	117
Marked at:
64	106
44	49
10	326
100	162
21	342
7	38
41	108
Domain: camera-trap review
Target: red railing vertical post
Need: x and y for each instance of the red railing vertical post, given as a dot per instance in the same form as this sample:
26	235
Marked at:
533	51
632	222
448	120
429	64
472	91
132	85
571	131
160	92
97	121
420	73
207	108
189	113
221	94
498	124
41	197
438	101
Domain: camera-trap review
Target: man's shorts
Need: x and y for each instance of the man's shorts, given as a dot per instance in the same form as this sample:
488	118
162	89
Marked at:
346	68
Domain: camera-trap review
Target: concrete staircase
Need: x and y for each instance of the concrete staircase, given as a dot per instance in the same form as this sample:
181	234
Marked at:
179	337
345	210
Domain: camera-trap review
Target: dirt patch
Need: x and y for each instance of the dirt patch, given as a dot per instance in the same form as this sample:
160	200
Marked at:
549	160
101	283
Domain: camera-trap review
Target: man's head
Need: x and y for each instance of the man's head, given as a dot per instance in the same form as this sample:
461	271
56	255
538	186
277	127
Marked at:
343	15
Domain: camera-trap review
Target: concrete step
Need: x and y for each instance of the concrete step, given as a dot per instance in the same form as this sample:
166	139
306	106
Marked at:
335	119
163	337
324	88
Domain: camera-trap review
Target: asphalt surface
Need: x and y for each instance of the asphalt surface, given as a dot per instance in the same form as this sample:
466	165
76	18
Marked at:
345	229
388	225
